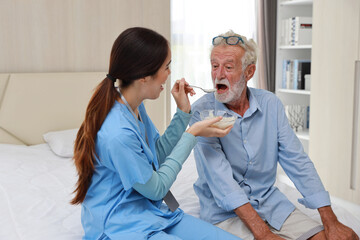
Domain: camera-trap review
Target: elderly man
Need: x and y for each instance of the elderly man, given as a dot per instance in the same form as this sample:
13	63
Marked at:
237	172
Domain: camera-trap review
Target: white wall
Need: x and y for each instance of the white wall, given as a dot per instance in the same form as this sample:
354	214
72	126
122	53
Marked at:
335	48
75	36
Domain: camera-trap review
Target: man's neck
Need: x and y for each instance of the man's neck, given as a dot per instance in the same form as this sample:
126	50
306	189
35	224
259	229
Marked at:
241	105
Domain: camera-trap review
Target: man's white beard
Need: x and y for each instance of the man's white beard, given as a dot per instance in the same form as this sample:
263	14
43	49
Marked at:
233	93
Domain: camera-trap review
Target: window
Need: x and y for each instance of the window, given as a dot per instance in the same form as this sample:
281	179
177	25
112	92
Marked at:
193	25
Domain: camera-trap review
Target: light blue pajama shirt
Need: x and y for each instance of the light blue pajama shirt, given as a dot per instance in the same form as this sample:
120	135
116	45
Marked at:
241	167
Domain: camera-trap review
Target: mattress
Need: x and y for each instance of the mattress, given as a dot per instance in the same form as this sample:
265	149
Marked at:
35	189
36	186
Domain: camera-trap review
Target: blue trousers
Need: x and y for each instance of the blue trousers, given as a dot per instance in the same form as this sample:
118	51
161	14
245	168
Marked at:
190	228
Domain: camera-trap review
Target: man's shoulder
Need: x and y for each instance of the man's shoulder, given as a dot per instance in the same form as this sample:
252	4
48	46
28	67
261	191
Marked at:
204	102
262	93
263	96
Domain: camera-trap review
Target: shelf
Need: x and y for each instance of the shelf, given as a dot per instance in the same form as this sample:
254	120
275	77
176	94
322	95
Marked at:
302	92
285	51
296	2
288	47
303	135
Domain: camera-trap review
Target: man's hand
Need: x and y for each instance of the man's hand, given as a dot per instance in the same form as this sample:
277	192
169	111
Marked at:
255	224
339	231
333	228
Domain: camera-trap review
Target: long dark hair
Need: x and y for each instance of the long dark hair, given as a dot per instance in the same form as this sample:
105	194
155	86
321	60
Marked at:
136	53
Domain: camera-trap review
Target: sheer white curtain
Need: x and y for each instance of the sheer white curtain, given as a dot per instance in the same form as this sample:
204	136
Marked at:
193	25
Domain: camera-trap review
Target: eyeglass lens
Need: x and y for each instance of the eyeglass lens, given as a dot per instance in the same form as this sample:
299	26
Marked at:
232	40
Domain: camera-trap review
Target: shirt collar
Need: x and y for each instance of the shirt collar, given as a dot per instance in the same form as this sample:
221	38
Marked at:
254	105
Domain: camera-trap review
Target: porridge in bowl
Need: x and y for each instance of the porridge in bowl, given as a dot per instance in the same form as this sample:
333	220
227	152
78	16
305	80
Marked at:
225	122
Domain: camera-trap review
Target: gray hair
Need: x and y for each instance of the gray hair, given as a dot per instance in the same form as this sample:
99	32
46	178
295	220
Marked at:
250	47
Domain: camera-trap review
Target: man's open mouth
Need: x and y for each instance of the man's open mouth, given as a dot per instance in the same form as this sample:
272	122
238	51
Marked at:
221	88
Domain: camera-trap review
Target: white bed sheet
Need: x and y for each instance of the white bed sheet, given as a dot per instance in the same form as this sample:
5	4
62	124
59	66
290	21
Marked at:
36	187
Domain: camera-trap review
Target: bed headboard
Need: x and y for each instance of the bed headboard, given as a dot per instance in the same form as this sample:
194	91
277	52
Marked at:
32	104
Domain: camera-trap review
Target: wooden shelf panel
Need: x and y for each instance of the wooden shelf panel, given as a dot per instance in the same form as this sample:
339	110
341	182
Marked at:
293	91
290	47
296	2
303	134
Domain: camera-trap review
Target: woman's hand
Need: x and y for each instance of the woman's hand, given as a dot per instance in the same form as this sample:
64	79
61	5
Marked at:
180	93
204	128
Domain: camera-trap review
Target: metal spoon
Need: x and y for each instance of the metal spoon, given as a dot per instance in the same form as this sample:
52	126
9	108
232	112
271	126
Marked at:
205	90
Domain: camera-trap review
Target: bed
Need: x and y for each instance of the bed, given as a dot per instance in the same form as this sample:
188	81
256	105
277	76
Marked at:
37	128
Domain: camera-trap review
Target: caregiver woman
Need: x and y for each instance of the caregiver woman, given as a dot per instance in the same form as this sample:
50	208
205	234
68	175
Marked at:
125	168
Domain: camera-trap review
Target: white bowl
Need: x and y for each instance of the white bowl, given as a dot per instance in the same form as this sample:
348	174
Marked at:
223	123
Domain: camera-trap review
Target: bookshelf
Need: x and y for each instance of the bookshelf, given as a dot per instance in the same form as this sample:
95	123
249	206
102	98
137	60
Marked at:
288	48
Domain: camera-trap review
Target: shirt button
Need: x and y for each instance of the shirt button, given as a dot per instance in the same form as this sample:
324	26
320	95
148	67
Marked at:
250	162
245	179
245	141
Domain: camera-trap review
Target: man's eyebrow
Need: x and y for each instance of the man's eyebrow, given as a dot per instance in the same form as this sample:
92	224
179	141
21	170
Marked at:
168	63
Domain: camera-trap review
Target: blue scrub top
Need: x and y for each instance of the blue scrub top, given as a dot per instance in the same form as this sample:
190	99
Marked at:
112	208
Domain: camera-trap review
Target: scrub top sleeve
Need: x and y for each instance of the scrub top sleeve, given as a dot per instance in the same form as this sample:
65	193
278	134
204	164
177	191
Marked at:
161	180
173	133
127	157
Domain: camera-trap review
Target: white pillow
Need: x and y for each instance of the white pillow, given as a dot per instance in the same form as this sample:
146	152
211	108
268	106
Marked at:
61	142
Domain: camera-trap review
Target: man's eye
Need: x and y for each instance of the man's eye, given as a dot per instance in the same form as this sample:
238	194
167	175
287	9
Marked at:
214	66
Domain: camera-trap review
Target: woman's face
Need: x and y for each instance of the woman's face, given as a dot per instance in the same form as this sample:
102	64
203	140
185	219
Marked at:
155	85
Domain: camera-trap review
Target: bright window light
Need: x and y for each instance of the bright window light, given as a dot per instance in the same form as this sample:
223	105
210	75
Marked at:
193	25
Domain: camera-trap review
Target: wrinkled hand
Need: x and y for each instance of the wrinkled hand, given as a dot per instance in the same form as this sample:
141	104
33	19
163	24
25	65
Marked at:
333	228
180	93
339	231
204	128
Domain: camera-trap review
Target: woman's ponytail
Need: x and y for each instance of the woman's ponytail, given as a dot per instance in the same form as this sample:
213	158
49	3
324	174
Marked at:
99	106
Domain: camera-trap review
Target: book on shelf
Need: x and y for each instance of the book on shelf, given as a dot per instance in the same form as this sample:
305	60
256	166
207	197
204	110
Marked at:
294	71
307	117
296	31
295	74
304	67
307	82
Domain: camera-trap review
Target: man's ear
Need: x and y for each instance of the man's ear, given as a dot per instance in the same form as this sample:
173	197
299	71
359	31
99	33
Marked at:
249	71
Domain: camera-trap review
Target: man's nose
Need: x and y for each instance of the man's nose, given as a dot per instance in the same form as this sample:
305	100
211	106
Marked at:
220	74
